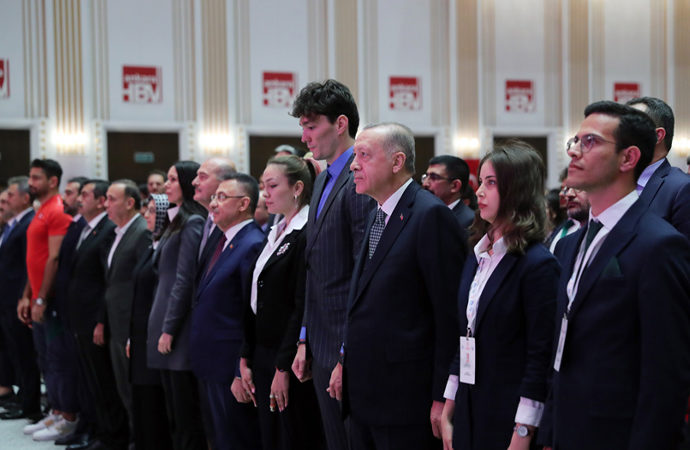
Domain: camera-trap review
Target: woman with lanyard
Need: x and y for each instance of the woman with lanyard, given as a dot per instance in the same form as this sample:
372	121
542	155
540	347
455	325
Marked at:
507	300
288	412
175	260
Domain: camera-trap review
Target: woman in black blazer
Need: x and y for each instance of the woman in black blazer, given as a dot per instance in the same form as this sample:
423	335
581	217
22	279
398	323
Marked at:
148	402
288	412
507	303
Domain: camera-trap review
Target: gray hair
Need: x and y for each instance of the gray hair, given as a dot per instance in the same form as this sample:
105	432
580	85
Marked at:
397	138
22	183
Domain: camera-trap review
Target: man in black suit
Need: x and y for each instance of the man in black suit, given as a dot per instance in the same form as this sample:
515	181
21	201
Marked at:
17	338
401	329
447	177
622	348
664	189
329	119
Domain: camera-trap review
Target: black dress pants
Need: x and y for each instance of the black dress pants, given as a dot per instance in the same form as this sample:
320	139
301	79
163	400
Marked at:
184	410
19	344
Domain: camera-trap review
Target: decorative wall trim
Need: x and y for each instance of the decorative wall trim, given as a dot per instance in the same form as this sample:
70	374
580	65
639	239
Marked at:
553	64
597	41
242	64
368	67
99	59
578	69
35	59
681	42
467	63
658	49
439	49
318	40
184	56
487	46
342	47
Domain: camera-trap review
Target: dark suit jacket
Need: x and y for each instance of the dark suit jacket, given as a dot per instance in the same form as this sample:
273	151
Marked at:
624	379
333	241
514	333
216	331
667	194
280	302
401	325
464	214
59	301
13	263
87	280
120	279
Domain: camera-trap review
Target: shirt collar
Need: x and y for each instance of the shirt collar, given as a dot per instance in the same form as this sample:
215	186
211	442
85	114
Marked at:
452	205
93	222
54	199
172	212
482	248
233	230
648	172
297	223
391	202
611	215
123	229
20	216
340	162
76	218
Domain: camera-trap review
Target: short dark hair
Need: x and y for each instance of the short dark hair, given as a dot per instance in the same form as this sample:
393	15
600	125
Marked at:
100	187
157	172
634	128
250	186
80	180
131	190
331	99
296	169
49	166
520	178
661	114
456	168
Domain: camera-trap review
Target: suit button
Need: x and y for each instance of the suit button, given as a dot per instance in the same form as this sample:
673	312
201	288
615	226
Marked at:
261	283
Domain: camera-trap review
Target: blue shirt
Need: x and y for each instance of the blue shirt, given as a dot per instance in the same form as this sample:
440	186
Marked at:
334	171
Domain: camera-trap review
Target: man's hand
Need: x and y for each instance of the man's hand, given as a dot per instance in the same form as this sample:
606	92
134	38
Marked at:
24	310
279	389
447	424
435	417
335	386
165	343
247	382
301	366
238	391
37	312
99	335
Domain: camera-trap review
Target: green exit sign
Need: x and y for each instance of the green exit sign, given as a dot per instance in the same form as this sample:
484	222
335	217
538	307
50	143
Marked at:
143	157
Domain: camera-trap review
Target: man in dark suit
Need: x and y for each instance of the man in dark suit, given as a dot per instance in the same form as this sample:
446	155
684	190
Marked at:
664	189
401	328
622	361
216	328
132	239
17	338
447	177
329	119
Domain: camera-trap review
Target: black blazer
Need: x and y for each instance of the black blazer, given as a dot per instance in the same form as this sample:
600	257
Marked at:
280	302
60	299
401	324
464	214
13	263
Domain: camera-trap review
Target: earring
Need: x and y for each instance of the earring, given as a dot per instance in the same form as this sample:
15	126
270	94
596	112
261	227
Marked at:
295	198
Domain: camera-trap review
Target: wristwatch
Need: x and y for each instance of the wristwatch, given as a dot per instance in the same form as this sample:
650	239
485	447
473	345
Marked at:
39	301
522	431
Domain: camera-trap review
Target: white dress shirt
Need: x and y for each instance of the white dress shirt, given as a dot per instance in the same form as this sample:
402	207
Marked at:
647	174
391	202
90	226
119	232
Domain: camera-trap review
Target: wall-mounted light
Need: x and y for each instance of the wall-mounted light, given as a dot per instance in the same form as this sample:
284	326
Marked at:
466	146
681	146
69	142
215	142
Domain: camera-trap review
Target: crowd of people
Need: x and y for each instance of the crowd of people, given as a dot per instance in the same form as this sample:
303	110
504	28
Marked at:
352	307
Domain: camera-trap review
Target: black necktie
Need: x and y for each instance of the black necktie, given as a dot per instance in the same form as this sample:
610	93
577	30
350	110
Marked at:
376	231
592	230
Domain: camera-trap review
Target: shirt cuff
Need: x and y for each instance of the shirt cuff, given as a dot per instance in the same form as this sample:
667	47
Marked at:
303	334
529	412
451	387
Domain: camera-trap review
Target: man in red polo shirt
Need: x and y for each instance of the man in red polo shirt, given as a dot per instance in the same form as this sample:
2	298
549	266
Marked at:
43	240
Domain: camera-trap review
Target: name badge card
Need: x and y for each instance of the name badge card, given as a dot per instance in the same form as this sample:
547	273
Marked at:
561	343
467	360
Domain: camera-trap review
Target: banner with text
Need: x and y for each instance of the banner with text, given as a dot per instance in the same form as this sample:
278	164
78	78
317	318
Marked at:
4	78
520	96
405	93
279	89
142	85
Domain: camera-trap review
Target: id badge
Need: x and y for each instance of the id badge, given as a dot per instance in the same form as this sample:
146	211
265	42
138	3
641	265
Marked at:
467	361
561	343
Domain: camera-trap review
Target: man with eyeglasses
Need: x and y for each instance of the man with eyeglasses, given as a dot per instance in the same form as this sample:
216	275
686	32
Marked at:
663	188
216	324
447	177
577	207
621	364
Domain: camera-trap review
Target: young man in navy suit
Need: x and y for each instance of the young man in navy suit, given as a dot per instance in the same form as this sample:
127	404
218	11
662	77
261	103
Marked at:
401	329
664	189
622	347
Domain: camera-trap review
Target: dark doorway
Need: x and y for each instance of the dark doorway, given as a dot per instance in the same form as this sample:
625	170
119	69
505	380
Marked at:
424	151
134	155
540	144
261	149
15	154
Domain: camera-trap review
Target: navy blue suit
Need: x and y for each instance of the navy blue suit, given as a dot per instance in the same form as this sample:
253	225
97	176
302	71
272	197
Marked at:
514	333
216	336
667	194
624	378
464	214
401	325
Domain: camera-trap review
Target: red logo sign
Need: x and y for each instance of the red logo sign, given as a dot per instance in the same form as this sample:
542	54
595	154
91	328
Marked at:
520	96
4	78
622	92
405	93
279	89
142	84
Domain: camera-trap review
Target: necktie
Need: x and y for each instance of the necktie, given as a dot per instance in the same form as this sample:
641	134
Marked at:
216	254
376	231
6	232
566	226
324	193
592	231
82	237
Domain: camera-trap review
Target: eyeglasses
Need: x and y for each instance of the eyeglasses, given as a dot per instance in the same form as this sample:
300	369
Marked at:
434	177
222	197
586	142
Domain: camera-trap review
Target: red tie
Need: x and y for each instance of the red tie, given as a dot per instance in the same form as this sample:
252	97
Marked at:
216	254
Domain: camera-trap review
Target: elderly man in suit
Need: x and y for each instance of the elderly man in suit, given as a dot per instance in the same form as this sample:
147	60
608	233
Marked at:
447	177
664	189
401	329
216	330
17	338
622	361
132	239
329	119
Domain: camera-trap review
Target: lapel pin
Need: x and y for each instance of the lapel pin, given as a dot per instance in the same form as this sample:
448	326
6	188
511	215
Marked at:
401	216
232	246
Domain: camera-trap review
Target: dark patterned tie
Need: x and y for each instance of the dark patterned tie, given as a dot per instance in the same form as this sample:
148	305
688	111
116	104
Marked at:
216	254
376	231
